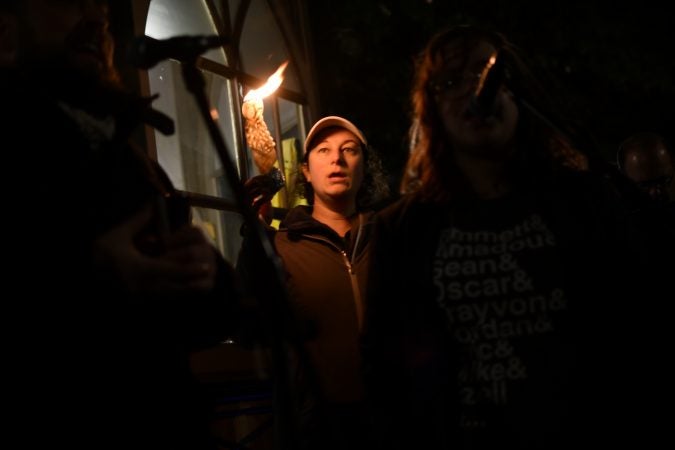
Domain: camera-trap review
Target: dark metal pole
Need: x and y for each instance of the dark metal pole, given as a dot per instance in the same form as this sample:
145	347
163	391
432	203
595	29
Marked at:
273	290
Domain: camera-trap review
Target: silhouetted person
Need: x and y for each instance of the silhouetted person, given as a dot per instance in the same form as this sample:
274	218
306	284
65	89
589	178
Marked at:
502	310
648	161
111	287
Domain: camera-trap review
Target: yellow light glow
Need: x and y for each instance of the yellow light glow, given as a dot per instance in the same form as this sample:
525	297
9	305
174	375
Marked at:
271	85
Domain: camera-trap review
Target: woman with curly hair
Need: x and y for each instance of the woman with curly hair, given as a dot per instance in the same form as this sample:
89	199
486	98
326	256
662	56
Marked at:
493	303
324	248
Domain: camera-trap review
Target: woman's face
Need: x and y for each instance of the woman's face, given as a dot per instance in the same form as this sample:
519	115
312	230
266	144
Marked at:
335	166
486	135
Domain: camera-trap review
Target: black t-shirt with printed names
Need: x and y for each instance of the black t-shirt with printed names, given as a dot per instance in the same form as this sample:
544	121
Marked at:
500	281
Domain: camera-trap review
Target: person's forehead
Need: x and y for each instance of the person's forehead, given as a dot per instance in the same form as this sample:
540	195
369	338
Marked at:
459	53
334	133
63	5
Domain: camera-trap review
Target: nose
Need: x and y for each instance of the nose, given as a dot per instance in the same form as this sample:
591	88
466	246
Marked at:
467	83
337	157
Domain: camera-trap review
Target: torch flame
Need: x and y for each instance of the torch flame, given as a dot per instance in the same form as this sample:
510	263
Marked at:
271	85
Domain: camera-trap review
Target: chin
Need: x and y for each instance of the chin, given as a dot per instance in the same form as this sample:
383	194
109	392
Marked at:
340	193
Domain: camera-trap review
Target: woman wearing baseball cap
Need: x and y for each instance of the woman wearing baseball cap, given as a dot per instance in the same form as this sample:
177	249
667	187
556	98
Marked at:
324	249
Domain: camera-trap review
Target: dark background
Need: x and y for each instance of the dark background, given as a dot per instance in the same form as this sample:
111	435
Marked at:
612	64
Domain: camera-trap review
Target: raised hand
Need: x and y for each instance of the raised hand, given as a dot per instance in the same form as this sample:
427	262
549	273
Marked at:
262	188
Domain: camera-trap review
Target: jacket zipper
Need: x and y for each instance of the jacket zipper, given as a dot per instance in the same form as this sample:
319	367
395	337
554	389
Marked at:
358	301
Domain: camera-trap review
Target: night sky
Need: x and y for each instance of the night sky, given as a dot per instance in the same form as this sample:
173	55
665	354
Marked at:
613	64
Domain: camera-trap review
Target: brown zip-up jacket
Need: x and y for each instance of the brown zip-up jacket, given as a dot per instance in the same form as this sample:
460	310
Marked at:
326	277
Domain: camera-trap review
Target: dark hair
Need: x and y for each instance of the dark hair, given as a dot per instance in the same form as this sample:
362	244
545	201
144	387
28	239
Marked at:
429	162
374	188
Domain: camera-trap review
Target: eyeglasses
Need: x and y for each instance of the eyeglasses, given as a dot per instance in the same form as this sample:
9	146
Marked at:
455	85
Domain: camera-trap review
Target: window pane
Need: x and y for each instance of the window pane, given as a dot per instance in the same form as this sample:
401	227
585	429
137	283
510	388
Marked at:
223	228
290	117
189	155
232	7
170	18
262	46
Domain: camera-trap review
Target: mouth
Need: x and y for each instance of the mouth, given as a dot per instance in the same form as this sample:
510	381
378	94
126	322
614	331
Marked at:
337	177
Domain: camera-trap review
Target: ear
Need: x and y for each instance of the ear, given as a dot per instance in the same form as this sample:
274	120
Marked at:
8	39
305	171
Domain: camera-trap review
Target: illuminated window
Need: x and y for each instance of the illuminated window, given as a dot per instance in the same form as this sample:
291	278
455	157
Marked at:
259	38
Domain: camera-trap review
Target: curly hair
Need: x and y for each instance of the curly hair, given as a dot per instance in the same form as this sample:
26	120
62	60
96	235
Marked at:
430	164
374	188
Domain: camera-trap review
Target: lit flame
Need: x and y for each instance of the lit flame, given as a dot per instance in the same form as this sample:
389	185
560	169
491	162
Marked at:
491	62
271	85
486	71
